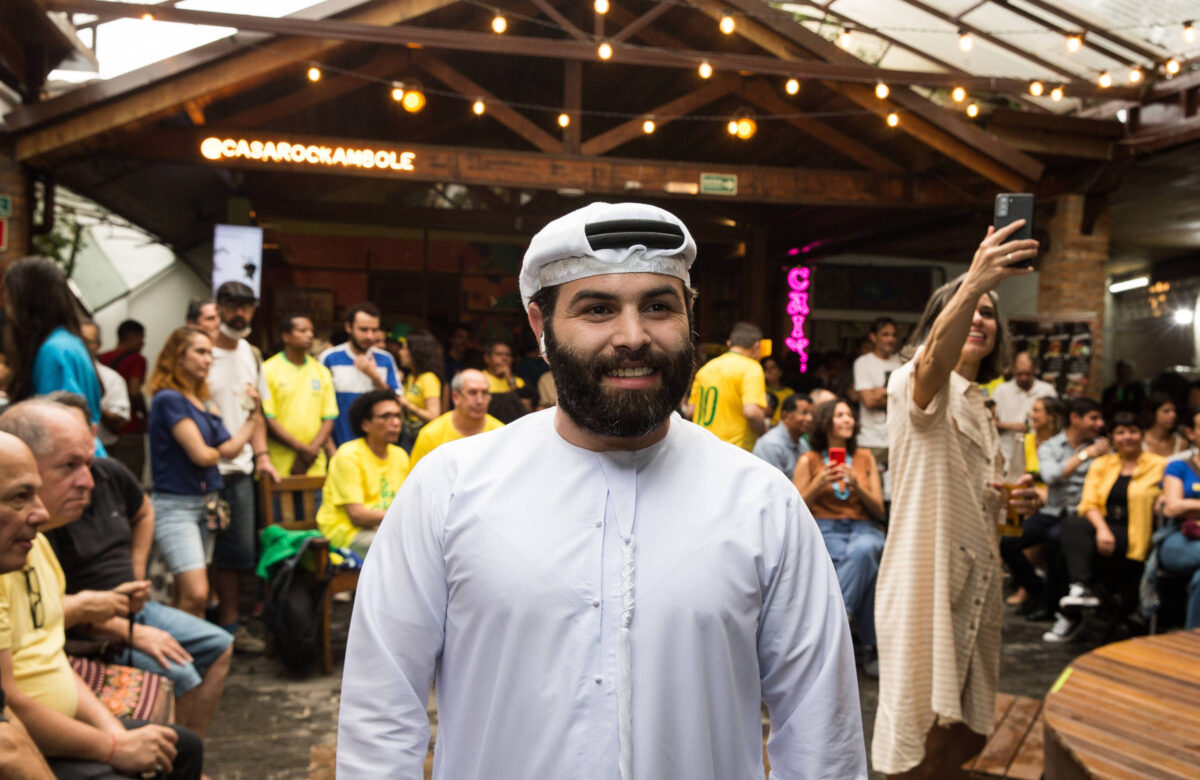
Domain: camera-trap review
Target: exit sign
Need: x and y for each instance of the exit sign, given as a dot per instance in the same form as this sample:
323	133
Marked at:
718	184
5	206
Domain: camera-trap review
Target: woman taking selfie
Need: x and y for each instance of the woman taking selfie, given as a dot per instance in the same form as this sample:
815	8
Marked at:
187	439
938	601
841	486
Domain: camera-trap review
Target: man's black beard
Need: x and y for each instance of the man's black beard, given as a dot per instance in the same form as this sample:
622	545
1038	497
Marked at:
619	412
362	347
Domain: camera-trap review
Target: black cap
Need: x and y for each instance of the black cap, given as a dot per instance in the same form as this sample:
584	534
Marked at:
235	292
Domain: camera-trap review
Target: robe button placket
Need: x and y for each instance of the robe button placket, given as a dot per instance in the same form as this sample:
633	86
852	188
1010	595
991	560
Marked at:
595	602
599	524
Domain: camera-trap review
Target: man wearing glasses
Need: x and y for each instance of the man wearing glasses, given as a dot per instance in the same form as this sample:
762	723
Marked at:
364	473
65	719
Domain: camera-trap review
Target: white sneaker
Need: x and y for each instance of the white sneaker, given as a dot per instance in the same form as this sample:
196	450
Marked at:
1064	629
1079	596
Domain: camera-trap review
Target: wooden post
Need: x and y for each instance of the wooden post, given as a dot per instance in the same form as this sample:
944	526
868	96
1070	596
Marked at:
14	192
572	102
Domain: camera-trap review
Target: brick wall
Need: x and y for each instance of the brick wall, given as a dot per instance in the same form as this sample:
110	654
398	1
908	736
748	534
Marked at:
1071	273
14	184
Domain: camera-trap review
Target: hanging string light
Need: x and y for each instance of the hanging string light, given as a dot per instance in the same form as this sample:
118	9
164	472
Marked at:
1189	31
604	51
881	90
746	128
727	24
414	99
601	6
973	110
1135	75
958	94
893	119
1036	88
1074	42
1056	94
844	39
314	74
563	120
705	70
499	23
792	86
1105	80
397	93
479	107
648	126
147	17
965	41
1172	66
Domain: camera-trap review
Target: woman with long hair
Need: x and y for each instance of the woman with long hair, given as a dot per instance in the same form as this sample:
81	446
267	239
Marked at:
845	496
1160	436
43	345
187	440
938	599
421	358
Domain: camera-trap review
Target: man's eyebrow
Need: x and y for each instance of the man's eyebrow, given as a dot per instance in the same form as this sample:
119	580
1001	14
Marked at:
657	292
666	289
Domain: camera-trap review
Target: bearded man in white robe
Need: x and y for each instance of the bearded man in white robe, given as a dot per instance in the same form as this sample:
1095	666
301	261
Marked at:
601	589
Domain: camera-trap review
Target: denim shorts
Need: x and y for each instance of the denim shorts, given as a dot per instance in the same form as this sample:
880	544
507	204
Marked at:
203	641
235	547
179	531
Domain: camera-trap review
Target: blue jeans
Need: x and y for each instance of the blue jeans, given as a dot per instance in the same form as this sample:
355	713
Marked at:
234	549
1182	556
855	547
203	641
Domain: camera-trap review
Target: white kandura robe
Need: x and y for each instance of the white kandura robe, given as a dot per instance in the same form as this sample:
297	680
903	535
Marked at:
498	567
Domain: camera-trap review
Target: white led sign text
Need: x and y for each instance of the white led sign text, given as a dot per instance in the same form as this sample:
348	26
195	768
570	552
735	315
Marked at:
305	154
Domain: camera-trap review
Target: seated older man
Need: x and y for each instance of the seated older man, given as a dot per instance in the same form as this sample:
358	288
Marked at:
68	723
103	554
471	393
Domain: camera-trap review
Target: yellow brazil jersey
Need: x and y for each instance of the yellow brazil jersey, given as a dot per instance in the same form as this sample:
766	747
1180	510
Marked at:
301	400
441	430
356	476
420	390
722	387
780	393
498	385
31	628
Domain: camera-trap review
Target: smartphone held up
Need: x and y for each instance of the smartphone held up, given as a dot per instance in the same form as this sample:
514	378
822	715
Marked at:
1011	206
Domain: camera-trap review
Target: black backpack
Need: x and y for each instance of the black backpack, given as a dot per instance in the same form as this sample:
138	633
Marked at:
290	613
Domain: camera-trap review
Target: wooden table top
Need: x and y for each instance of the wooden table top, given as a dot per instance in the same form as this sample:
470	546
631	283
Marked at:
1129	710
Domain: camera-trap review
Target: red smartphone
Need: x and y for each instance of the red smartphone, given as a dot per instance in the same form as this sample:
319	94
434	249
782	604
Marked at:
837	455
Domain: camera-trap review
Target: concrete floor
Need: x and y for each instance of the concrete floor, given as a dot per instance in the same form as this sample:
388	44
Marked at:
269	719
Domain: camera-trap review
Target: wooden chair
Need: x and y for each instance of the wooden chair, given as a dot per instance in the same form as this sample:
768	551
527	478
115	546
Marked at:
342	582
1015	749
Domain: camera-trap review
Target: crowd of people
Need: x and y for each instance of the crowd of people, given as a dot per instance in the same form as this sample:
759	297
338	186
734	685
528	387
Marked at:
903	457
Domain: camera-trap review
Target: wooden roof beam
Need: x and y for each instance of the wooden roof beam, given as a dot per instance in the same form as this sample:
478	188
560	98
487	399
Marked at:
1089	42
657	10
662	116
566	24
496	108
1086	27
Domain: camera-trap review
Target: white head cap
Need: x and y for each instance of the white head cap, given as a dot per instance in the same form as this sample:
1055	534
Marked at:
607	238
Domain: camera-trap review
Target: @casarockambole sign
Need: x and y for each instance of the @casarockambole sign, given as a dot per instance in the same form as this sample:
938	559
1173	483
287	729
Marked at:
319	155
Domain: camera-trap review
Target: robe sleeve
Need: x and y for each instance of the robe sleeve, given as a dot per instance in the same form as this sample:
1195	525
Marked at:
396	635
806	661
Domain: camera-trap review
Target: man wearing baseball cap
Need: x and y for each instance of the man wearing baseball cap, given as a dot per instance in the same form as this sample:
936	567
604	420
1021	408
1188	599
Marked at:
602	589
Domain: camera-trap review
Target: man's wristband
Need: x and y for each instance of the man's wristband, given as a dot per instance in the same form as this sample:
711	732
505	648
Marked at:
112	751
260	453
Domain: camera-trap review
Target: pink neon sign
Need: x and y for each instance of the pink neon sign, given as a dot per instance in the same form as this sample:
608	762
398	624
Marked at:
797	309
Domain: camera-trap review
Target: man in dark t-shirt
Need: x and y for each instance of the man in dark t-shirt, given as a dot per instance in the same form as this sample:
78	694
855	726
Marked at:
127	360
104	553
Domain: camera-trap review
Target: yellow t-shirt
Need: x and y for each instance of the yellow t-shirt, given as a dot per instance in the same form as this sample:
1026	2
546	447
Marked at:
498	385
441	430
356	476
722	387
301	400
780	394
419	391
40	666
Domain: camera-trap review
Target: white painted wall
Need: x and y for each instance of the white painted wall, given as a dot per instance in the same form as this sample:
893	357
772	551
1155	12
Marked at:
160	304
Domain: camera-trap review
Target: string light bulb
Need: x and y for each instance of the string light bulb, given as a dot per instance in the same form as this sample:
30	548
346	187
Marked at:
314	74
965	41
705	70
604	51
1135	75
727	24
397	93
792	86
973	110
413	100
746	128
479	107
1189	31
881	90
1056	94
958	94
147	17
1036	88
1105	80
1172	66
563	120
499	23
1074	42
893	119
845	39
648	126
732	127
601	6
